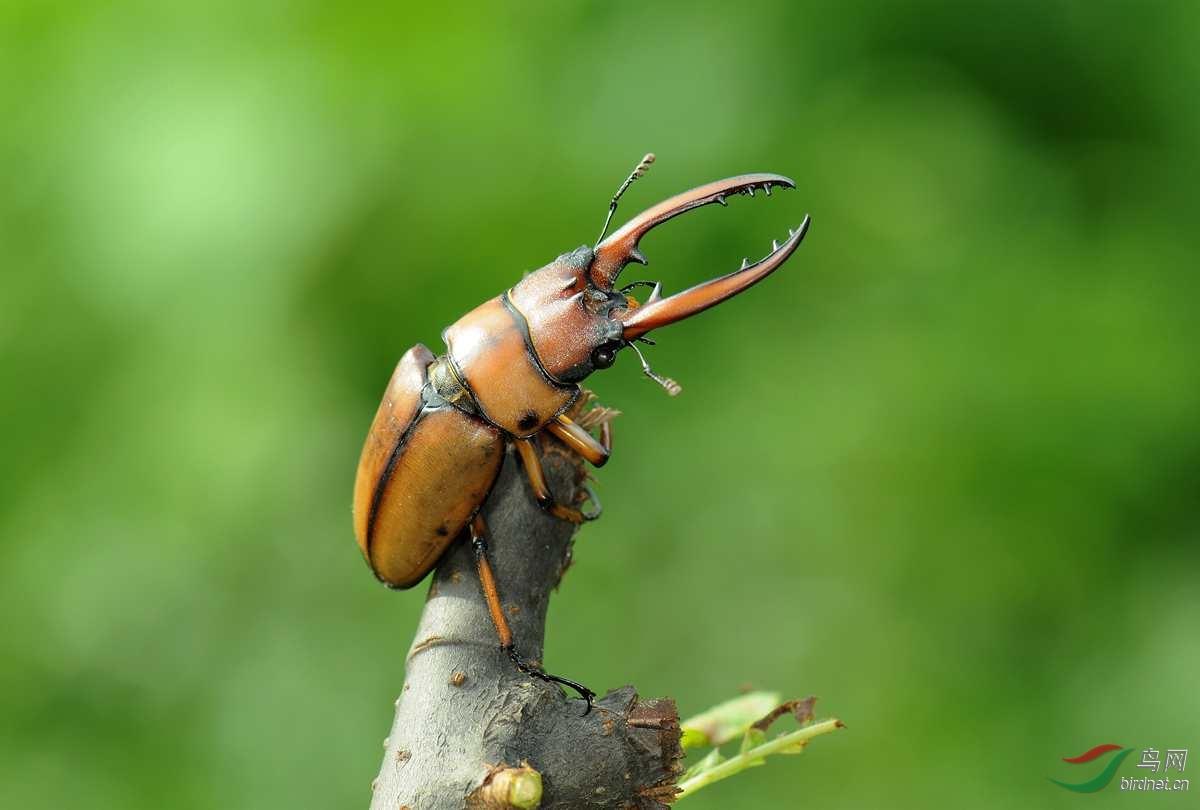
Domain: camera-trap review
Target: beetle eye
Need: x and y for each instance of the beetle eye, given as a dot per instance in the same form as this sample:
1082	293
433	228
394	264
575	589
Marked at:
604	356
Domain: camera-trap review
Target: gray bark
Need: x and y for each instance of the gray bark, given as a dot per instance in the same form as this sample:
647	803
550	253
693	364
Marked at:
465	713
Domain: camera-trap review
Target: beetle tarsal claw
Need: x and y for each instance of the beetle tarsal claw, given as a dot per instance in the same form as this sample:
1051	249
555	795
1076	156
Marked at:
594	499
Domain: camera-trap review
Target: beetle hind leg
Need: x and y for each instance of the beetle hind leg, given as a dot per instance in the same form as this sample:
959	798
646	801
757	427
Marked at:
491	595
541	491
584	692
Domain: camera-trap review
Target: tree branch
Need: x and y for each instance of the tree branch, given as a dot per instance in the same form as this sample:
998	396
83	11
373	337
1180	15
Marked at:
472	731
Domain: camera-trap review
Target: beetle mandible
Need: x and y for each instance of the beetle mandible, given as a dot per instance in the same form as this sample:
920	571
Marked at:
512	369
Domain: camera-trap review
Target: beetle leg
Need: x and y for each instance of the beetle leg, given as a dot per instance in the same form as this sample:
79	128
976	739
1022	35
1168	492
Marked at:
594	500
582	442
491	595
487	581
541	491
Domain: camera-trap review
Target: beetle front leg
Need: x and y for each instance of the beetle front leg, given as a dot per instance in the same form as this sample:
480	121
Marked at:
537	480
582	442
491	595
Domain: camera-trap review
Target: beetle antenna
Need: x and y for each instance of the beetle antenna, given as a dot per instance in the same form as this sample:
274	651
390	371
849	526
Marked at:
637	172
670	386
641	282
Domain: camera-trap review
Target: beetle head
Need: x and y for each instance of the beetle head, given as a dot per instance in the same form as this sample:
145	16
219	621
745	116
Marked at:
578	322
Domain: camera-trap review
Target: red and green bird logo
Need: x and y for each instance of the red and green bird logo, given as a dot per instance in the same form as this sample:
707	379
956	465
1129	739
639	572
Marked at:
1101	779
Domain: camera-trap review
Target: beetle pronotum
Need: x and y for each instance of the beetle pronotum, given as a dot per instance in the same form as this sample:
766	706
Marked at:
511	370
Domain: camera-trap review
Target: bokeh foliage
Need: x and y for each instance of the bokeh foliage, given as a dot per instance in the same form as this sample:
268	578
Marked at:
942	470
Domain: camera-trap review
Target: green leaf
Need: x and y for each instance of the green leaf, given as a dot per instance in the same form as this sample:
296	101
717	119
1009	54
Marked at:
755	749
751	738
710	761
728	720
793	748
693	738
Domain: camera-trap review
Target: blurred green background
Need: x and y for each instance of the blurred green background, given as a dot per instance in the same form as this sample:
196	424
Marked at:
941	470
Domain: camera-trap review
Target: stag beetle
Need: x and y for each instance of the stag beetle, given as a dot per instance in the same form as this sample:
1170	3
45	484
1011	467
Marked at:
512	369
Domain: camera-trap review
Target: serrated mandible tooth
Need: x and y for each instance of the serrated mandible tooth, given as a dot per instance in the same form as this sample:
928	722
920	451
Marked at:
767	188
774	245
791	232
721	200
750	190
745	264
